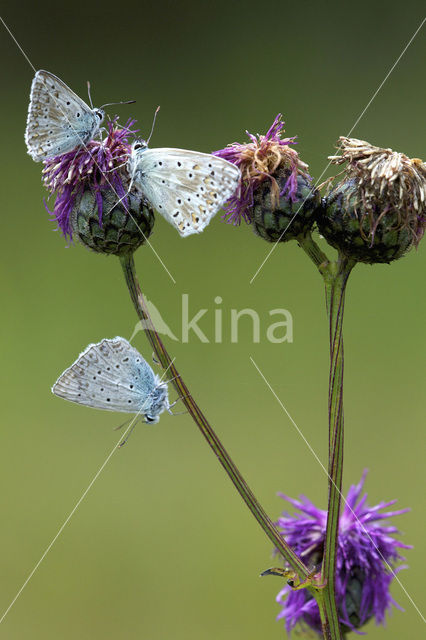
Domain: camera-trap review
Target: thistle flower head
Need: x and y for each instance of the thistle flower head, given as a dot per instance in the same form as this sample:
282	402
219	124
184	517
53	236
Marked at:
259	160
95	166
367	554
386	192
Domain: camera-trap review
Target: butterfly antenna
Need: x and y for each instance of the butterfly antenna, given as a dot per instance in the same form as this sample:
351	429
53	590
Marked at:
120	426
153	124
110	104
88	91
123	442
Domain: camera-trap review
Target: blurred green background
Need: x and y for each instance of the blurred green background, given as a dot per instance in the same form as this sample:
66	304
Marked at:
163	547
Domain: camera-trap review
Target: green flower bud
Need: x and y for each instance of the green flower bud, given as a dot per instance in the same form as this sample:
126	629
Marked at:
282	218
120	228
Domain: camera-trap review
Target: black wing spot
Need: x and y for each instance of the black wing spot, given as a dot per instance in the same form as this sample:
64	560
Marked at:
108	399
68	102
102	388
99	372
160	164
125	359
94	377
129	401
179	164
190	175
117	366
179	201
130	386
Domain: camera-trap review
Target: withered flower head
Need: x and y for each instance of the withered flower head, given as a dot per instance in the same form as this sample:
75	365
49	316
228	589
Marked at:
378	210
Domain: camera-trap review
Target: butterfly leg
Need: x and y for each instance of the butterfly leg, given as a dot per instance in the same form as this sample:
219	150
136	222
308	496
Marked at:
180	413
171	379
115	169
132	178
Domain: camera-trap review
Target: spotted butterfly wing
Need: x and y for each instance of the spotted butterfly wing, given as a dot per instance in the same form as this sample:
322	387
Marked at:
58	120
110	375
187	187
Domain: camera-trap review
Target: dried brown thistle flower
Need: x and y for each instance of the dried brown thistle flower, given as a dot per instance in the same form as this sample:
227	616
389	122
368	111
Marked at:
378	210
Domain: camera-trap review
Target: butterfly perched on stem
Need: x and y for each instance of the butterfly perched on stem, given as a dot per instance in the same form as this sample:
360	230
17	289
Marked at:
112	375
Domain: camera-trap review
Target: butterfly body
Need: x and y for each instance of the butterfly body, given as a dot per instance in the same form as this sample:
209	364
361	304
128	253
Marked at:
58	120
112	375
187	187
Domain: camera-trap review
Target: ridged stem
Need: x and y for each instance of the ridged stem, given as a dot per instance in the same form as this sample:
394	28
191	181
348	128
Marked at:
200	420
335	287
335	275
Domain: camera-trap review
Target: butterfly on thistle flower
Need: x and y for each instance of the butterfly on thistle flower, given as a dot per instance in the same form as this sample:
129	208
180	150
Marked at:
186	187
112	375
58	120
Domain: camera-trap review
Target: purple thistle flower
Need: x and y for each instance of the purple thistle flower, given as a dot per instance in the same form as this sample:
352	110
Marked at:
96	166
258	160
366	556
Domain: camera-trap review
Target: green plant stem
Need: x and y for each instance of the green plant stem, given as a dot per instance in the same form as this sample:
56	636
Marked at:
195	412
316	254
335	275
335	287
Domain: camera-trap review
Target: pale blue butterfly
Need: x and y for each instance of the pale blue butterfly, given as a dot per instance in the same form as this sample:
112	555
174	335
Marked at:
58	120
112	375
187	187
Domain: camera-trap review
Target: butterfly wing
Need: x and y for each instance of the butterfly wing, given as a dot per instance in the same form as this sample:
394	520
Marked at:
187	187
109	375
58	120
